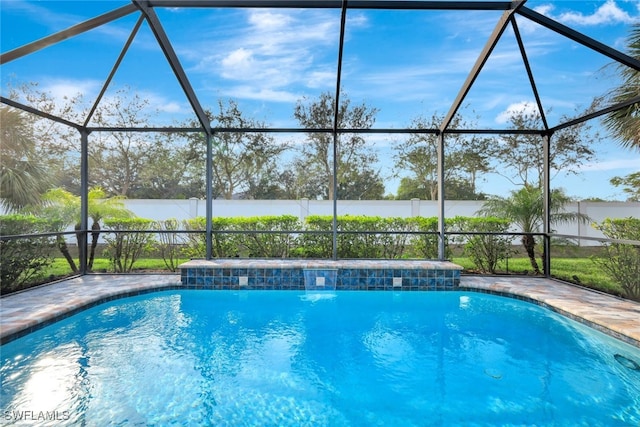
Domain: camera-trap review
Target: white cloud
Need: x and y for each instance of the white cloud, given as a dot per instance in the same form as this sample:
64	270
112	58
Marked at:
527	107
321	79
608	13
166	107
171	107
44	13
544	9
615	164
269	21
62	89
269	51
238	64
355	19
261	94
56	21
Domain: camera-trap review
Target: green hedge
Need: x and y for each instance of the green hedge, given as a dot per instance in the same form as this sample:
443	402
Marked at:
621	261
169	243
484	250
125	247
359	237
23	258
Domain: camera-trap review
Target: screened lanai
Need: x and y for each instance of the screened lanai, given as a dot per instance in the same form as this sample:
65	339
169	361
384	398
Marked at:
405	74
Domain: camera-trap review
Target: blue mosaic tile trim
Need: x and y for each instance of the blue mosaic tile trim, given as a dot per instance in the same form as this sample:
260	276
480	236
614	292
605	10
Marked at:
413	279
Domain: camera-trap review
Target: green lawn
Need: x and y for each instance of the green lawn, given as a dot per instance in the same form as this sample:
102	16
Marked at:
60	267
582	271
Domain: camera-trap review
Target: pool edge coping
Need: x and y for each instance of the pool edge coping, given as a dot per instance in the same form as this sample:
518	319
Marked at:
598	326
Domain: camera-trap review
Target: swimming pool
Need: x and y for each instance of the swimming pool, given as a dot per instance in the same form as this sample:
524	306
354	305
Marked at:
189	357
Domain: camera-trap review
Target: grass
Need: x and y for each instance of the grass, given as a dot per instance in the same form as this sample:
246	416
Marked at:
60	267
581	271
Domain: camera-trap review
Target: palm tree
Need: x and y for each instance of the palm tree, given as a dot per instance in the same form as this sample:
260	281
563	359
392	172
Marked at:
23	178
625	123
525	208
62	208
101	207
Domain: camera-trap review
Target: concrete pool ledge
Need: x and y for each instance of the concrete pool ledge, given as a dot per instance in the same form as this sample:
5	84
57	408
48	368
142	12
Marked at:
29	310
614	316
26	311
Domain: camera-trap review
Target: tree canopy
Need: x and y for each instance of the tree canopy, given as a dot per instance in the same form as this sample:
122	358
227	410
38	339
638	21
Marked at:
251	164
23	175
624	124
522	155
357	178
464	158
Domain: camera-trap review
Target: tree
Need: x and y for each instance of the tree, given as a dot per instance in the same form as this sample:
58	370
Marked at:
62	209
621	261
271	184
624	124
102	207
131	164
525	208
457	189
465	157
117	159
164	175
23	175
57	145
243	162
522	155
631	184
410	188
360	184
314	163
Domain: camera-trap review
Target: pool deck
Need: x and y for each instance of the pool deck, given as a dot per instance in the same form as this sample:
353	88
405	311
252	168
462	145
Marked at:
26	311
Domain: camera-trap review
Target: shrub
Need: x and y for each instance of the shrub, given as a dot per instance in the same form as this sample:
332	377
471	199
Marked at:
367	237
621	261
229	241
357	242
22	258
224	245
486	250
169	243
318	242
425	244
277	243
124	246
395	245
195	243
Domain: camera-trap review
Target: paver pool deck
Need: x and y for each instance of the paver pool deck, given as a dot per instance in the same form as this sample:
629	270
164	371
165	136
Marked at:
23	312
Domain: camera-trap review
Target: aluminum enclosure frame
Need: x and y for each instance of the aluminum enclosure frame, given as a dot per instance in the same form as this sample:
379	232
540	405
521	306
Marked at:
146	11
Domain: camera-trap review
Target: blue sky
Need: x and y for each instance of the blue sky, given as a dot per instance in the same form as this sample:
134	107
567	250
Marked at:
405	63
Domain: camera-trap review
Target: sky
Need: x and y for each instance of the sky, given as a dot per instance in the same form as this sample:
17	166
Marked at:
406	64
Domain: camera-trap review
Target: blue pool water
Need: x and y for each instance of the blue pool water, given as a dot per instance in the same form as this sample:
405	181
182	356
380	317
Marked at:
279	358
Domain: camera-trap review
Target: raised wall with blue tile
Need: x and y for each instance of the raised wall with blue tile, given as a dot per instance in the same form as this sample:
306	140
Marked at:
405	275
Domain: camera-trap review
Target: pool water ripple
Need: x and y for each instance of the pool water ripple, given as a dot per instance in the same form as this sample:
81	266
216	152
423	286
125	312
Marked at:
278	358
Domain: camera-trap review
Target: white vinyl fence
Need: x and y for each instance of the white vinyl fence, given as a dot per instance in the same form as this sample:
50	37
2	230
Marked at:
185	209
